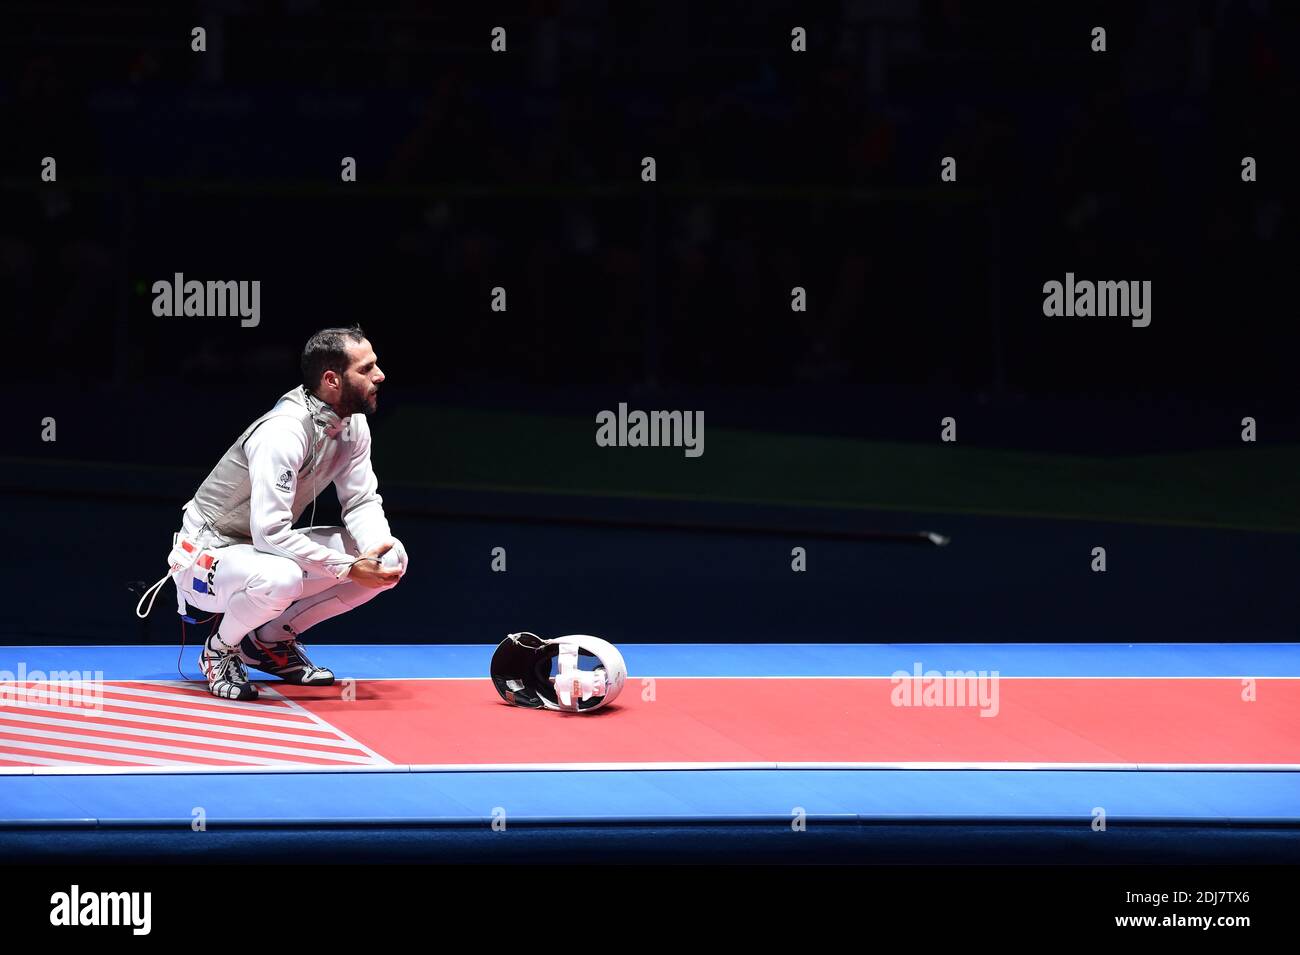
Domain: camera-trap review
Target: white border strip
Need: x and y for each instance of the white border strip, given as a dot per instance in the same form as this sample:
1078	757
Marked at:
267	683
200	770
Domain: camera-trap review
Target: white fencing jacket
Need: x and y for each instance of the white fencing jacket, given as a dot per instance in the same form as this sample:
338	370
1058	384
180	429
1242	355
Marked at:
275	469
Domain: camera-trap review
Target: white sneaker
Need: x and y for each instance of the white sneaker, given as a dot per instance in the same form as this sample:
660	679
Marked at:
225	671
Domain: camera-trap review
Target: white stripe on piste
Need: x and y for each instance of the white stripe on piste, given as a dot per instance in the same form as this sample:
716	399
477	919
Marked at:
56	749
26	758
116	706
202	698
52	749
86	721
326	725
176	696
274	711
141	699
148	744
206	721
198	695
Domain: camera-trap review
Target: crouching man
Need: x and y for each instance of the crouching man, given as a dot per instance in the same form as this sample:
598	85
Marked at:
239	553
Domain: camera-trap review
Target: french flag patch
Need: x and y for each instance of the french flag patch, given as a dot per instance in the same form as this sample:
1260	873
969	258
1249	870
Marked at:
200	586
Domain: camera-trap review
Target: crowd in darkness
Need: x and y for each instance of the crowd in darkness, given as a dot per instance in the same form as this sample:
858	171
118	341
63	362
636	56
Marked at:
775	170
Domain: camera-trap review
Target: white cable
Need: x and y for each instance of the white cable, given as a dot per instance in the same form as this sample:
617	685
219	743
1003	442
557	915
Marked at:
154	590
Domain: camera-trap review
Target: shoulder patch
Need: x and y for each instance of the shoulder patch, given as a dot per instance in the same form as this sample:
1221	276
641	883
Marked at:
285	481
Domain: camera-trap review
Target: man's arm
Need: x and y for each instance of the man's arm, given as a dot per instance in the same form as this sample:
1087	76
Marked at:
276	451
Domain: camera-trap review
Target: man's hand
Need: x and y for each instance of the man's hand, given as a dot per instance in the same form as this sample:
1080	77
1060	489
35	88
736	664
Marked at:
368	572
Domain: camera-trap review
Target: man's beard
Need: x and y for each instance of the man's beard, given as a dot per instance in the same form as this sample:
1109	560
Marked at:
355	401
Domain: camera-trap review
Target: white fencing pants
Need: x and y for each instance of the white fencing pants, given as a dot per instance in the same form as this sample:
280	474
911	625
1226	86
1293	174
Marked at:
256	589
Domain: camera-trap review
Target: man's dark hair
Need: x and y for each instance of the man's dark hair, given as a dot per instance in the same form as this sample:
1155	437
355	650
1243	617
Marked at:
326	351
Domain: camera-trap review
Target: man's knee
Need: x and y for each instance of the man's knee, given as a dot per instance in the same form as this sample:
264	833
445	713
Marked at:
277	579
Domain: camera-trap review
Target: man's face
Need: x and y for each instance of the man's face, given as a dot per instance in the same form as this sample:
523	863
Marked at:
360	383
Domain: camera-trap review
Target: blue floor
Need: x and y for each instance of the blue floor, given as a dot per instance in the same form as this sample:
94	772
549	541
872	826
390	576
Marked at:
664	795
379	661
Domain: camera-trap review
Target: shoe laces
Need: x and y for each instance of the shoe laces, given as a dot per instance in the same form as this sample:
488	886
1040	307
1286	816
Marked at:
230	668
295	649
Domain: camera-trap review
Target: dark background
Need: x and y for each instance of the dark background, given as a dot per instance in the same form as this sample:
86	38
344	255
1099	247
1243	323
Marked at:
775	169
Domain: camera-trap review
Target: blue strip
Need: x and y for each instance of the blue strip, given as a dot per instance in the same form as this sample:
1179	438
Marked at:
667	660
433	798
